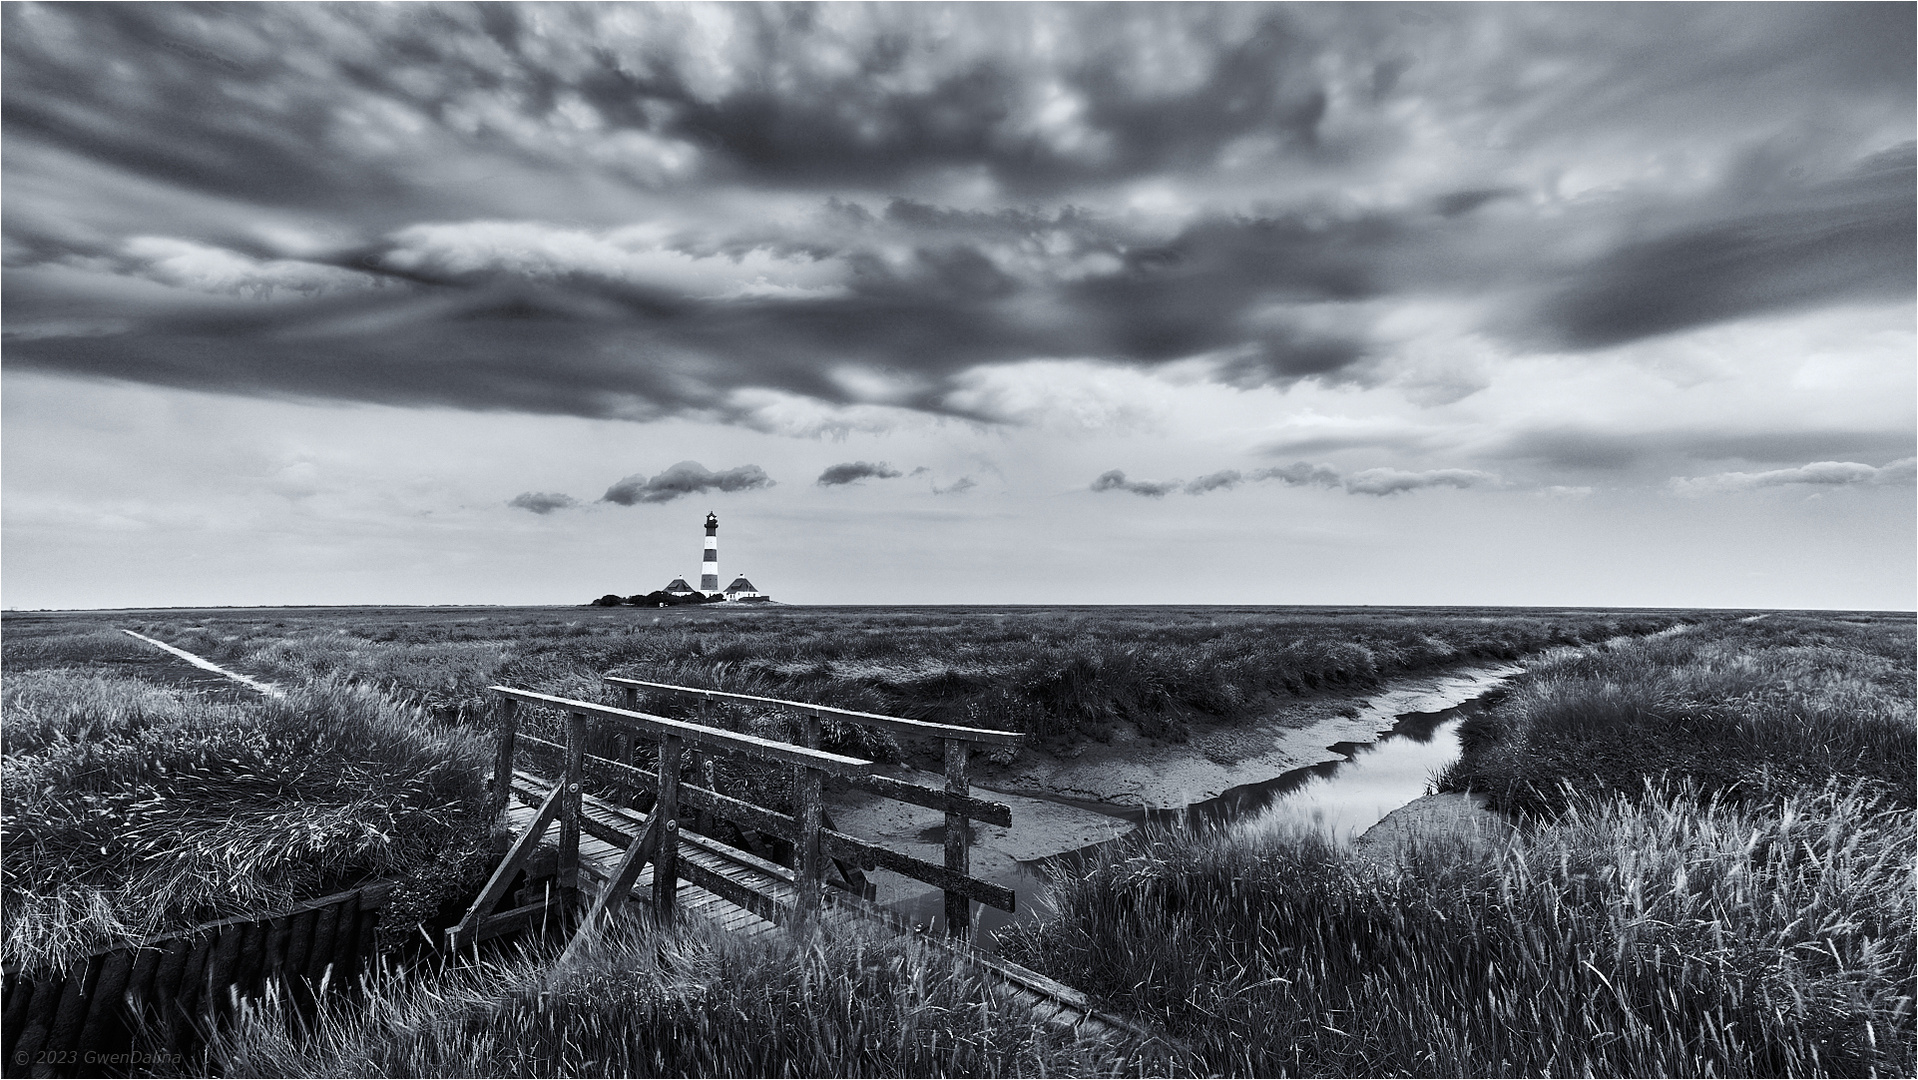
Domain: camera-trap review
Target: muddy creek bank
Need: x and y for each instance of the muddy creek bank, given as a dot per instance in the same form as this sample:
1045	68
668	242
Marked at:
1346	764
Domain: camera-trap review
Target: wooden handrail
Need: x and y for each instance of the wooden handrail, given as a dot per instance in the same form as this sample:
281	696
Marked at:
946	802
859	852
921	728
731	742
813	839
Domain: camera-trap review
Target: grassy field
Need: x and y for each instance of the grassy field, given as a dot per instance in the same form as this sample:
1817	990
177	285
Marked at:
1714	878
143	795
1063	674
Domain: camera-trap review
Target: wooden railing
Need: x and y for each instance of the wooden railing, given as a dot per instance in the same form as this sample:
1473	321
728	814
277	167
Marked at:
685	778
956	800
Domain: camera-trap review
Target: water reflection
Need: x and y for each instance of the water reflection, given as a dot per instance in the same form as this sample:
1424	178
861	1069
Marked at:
1344	797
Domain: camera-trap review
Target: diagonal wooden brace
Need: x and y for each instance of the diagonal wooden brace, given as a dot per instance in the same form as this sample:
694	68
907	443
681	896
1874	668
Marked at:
503	876
616	891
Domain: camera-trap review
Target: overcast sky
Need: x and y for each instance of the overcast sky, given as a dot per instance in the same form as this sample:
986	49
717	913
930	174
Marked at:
1372	303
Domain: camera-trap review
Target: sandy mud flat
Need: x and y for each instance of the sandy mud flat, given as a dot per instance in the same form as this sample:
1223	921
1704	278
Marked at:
1135	772
1132	771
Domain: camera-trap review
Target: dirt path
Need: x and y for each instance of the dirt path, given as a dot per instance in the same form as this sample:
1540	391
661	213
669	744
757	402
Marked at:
201	662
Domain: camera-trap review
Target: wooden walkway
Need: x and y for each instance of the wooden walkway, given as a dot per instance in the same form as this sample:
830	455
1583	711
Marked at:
742	893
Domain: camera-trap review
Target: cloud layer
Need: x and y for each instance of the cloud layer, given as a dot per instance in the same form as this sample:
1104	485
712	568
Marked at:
1380	481
646	211
685	478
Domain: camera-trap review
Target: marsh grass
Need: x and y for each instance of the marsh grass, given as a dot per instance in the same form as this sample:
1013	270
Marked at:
692	1001
133	808
1746	709
1714	878
1667	935
1063	674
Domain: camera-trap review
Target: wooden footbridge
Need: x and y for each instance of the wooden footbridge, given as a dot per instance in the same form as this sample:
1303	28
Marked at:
631	803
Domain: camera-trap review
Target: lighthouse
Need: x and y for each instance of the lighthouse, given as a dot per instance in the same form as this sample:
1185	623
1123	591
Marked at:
709	561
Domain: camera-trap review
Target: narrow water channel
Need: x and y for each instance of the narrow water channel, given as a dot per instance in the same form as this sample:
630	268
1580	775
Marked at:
1343	797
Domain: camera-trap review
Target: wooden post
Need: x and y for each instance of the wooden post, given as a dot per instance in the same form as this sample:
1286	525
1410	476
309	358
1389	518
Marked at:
809	812
958	907
629	700
707	779
666	812
570	801
502	794
806	856
700	764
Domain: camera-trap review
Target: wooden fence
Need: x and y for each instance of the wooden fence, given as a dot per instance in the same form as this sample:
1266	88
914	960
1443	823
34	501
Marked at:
145	1004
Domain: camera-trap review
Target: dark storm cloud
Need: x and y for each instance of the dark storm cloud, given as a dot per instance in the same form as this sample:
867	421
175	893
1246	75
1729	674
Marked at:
1850	240
542	502
522	207
923	93
483	326
851	471
291	107
1115	480
685	478
1302	473
1395	481
1224	478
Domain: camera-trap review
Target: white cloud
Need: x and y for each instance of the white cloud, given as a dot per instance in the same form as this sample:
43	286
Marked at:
204	268
637	255
1817	474
1066	395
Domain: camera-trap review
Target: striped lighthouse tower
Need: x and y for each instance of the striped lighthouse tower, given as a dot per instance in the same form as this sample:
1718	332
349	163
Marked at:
709	562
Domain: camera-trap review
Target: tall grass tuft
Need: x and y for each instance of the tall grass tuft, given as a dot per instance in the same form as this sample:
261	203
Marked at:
132	808
1749	710
1671	934
691	1001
